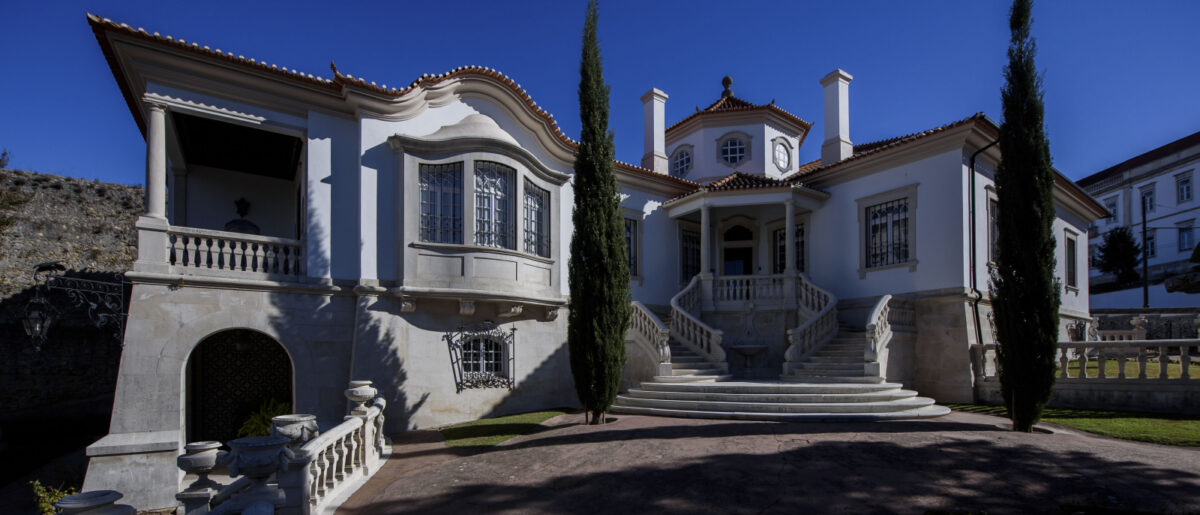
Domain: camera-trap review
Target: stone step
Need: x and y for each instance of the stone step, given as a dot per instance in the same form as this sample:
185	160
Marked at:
839	353
803	398
699	364
832	368
709	370
802	376
694	358
839	359
924	412
691	378
886	406
773	387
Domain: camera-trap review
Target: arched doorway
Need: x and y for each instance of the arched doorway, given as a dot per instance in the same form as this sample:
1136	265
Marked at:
230	375
738	251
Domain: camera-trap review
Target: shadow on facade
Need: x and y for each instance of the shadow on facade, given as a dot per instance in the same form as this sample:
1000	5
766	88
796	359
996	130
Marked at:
967	475
60	398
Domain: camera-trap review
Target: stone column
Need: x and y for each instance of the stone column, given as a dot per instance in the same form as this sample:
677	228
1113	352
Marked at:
789	253
152	226
706	275
156	161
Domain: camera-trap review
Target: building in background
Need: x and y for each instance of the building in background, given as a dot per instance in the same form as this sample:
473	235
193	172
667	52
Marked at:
1164	180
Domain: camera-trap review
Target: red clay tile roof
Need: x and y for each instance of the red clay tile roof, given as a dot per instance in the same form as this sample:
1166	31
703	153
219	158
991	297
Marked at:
337	84
730	103
1141	159
867	149
741	181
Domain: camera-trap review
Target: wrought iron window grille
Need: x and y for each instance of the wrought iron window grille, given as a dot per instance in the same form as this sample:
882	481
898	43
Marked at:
482	357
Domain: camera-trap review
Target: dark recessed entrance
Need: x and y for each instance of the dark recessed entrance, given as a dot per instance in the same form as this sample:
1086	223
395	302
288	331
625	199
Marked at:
230	375
739	261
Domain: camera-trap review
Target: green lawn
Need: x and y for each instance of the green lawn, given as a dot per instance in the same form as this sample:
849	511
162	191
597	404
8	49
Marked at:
491	431
1179	430
1131	369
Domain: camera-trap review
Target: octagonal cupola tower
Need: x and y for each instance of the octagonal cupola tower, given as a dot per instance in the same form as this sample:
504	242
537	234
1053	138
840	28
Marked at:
730	135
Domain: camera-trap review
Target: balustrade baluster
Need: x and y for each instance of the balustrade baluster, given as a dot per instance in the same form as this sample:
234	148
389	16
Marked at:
259	256
178	250
1121	363
1163	359
1185	362
1141	362
1083	361
1102	361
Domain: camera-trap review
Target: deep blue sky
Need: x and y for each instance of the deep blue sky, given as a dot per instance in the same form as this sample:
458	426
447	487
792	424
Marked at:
1120	77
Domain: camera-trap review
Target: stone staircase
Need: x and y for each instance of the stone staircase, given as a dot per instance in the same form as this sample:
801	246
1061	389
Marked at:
839	361
830	385
689	367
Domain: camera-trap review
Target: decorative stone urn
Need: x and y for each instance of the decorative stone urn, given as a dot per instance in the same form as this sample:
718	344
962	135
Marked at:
299	428
200	459
257	457
97	502
360	392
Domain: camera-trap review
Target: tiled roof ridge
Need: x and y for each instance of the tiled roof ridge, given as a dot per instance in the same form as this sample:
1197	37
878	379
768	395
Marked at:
341	80
1141	159
883	144
729	102
713	108
98	23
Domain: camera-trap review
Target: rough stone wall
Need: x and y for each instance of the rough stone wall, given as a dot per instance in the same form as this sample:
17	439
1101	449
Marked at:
89	226
85	224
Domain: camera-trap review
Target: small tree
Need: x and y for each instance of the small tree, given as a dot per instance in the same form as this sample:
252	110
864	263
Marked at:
4	157
1025	293
1119	254
599	270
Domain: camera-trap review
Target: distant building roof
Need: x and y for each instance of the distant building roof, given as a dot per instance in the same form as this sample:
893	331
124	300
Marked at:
1141	159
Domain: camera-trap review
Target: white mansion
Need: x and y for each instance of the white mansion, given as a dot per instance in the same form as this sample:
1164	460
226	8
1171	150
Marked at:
303	231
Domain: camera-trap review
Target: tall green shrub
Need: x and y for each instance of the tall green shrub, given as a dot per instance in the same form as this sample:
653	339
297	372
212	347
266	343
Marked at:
599	270
1025	294
1119	254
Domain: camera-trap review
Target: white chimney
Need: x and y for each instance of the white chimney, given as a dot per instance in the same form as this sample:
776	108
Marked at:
654	105
837	146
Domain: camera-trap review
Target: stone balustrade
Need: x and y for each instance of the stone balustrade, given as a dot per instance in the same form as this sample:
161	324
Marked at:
687	327
749	288
1131	375
878	329
313	471
220	253
818	309
648	330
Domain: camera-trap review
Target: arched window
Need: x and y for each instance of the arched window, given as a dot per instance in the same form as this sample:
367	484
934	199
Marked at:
681	162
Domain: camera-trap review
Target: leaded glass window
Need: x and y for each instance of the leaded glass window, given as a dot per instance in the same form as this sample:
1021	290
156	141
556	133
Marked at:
689	254
441	203
493	205
781	249
631	241
733	151
887	233
537	220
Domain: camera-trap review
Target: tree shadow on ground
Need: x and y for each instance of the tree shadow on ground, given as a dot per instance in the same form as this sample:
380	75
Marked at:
824	476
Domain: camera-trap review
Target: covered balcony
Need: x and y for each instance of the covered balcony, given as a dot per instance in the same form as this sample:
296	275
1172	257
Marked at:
223	199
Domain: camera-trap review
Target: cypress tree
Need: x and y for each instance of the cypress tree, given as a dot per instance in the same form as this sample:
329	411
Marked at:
599	269
1025	293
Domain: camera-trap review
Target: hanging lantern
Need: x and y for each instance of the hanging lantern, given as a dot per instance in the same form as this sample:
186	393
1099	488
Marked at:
38	317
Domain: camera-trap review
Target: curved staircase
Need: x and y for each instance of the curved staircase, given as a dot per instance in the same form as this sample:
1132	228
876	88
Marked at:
777	400
831	384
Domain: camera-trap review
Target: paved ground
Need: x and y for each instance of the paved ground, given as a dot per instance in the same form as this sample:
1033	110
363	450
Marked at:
639	464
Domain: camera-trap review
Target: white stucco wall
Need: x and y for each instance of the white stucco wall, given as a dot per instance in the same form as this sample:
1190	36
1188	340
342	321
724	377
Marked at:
656	281
211	194
940	232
